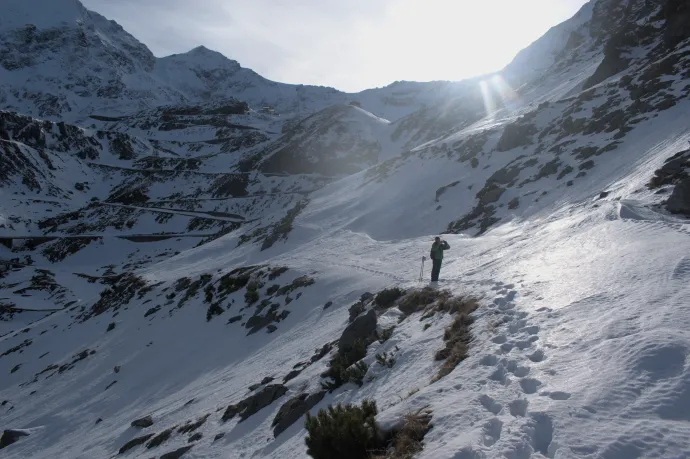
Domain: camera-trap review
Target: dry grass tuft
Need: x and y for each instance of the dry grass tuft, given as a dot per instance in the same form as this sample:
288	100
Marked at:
457	335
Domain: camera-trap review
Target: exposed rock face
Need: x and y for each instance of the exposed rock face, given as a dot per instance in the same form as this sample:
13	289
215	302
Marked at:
254	403
144	422
177	454
294	409
11	436
362	328
679	201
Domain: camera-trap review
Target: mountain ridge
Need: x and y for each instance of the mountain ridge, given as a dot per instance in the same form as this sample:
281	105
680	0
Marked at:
183	273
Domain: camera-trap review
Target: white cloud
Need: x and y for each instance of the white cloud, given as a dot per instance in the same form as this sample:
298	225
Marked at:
351	44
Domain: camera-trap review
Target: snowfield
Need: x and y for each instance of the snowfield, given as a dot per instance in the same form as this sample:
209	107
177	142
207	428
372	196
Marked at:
179	277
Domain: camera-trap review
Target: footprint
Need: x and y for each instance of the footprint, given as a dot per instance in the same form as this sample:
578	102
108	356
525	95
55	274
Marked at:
521	372
543	433
536	356
533	330
488	360
500	339
559	395
507	347
499	375
529	385
517	326
518	407
512	294
522	345
490	404
492	431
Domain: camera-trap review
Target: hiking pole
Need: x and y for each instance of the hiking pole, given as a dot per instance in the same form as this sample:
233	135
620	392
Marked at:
421	271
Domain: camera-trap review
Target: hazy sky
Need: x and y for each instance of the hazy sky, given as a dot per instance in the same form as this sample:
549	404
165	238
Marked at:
348	44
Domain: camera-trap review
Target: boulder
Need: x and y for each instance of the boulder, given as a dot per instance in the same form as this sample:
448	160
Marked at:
362	328
294	409
11	436
143	422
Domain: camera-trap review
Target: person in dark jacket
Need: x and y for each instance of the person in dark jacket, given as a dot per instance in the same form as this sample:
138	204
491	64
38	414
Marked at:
436	256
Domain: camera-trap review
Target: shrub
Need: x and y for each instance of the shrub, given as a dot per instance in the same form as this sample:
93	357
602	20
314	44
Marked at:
385	360
387	297
251	296
355	374
386	334
343	432
341	362
419	299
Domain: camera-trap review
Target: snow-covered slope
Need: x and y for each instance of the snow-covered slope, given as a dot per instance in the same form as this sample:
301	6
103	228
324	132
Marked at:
200	262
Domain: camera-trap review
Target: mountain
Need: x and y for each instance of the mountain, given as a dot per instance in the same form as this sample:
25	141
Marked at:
193	257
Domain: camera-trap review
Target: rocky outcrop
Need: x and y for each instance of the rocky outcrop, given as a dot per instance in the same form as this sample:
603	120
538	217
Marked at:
142	423
362	329
10	436
252	404
294	409
679	201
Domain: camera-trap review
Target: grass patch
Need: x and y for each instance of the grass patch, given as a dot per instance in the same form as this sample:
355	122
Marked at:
457	337
418	300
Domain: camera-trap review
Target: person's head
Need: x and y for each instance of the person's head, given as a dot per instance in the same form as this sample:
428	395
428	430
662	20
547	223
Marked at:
437	239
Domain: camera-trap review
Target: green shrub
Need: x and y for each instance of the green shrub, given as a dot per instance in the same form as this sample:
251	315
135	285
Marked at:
343	432
387	297
355	374
386	334
341	362
251	296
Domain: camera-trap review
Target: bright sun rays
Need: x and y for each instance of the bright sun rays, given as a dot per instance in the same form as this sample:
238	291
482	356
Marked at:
497	94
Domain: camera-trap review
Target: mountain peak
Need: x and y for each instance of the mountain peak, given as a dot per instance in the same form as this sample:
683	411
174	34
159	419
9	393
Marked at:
44	14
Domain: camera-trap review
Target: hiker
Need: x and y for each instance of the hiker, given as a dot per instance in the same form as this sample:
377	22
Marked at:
436	256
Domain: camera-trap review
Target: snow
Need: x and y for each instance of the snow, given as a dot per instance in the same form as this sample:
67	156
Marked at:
580	345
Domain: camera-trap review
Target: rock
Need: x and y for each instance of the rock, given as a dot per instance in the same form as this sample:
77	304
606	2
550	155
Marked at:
196	437
177	453
363	328
254	403
355	310
4	402
79	186
294	409
327	305
679	201
143	422
271	328
98	421
321	353
514	203
234	319
10	436
218	436
267	380
603	194
366	297
160	438
292	375
135	442
116	369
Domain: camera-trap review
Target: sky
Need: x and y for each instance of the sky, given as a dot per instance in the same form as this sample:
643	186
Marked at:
347	44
